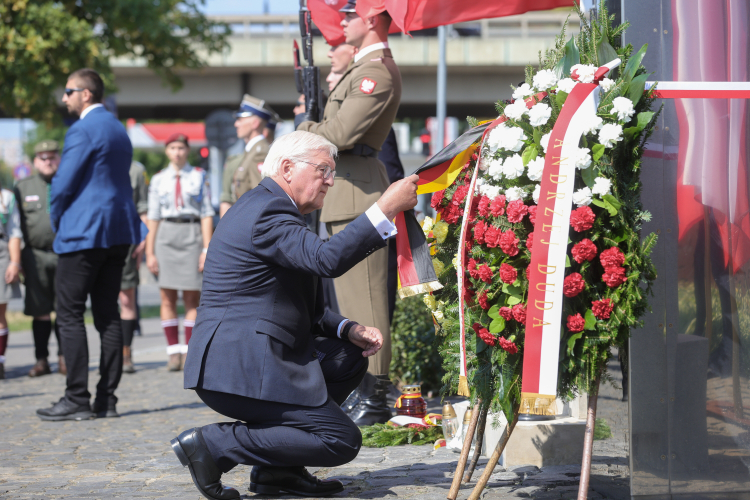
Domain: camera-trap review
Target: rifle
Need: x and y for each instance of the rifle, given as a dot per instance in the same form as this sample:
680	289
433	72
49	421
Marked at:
307	78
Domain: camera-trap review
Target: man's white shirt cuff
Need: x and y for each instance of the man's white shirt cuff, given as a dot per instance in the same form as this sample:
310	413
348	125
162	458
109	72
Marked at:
341	326
385	228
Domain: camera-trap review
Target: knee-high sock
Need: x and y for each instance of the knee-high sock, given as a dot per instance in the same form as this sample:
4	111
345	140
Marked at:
42	329
3	343
170	330
188	324
128	327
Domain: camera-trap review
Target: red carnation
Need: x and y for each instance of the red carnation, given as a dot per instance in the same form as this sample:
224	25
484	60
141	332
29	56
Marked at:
485	273
602	308
484	334
468	245
582	219
519	313
451	213
474	157
507	345
530	241
508	274
517	211
612	257
585	250
498	206
483	301
437	198
460	195
614	276
484	206
492	236
479	230
472	268
576	323
573	285
509	243
468	293
473	209
506	313
532	214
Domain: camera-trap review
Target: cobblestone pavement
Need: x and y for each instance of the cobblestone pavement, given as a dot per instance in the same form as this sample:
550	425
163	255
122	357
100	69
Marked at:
130	457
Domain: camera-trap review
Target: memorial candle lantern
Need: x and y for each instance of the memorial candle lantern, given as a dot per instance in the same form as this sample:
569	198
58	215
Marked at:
411	403
449	422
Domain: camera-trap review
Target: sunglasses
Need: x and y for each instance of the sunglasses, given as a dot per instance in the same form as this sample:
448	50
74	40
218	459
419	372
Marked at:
68	92
47	157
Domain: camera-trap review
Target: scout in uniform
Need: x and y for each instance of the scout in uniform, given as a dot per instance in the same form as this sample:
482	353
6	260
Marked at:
10	263
180	224
38	260
130	278
255	121
359	114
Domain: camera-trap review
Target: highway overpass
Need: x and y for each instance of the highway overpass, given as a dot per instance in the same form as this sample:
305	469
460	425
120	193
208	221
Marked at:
483	57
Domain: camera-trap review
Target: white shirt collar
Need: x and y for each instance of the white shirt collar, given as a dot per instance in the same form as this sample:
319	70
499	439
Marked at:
173	172
88	110
290	199
252	142
370	48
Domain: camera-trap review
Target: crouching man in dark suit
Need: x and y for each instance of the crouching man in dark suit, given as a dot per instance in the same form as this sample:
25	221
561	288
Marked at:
264	351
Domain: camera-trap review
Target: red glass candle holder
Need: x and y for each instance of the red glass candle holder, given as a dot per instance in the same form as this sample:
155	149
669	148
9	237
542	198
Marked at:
411	403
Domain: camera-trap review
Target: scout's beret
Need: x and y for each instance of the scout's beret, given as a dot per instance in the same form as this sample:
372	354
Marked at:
44	146
351	6
253	106
177	137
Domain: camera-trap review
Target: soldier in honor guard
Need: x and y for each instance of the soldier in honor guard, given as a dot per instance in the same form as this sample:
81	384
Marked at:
358	116
130	277
180	224
255	122
38	259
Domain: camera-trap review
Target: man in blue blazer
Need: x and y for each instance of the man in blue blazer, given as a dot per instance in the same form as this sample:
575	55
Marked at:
92	212
264	350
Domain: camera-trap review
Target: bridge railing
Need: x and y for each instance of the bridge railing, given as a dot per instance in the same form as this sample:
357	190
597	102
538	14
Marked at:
530	25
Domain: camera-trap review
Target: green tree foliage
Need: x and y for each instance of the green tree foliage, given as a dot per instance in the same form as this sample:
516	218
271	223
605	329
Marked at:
43	41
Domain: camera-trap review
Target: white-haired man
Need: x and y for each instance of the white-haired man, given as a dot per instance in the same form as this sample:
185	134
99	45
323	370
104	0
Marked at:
264	351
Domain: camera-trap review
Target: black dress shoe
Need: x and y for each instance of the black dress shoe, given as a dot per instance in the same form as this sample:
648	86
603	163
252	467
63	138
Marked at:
368	404
295	480
193	453
105	409
66	410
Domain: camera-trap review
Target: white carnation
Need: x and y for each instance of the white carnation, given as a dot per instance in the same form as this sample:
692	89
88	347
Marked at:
606	84
513	167
522	91
536	168
582	158
602	186
585	72
496	169
535	194
545	79
610	134
516	110
505	137
489	191
545	141
623	107
539	114
582	197
514	193
478	185
566	85
594	125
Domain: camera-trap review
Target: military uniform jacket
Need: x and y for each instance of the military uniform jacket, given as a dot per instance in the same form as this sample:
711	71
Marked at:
247	175
360	110
32	200
140	188
227	180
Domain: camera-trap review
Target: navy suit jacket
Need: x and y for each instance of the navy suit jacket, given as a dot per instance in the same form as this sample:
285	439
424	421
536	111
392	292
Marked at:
260	304
91	203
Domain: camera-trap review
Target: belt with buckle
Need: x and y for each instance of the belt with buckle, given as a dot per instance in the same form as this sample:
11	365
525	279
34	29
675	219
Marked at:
182	220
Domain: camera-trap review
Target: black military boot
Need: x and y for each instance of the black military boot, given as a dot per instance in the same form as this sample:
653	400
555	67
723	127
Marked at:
367	404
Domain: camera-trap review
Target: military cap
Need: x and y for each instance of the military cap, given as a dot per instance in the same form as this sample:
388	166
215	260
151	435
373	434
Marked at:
47	145
253	106
351	6
177	137
274	120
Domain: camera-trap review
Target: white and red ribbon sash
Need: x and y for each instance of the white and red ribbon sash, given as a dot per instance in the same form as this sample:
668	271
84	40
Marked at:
701	90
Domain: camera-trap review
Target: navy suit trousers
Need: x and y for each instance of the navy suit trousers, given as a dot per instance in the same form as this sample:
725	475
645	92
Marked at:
280	434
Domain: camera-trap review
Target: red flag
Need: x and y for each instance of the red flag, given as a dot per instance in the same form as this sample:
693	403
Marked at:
326	16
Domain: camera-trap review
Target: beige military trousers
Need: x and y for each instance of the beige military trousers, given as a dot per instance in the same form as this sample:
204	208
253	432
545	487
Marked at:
362	296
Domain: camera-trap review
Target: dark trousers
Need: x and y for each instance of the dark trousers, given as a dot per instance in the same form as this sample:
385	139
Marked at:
96	272
280	434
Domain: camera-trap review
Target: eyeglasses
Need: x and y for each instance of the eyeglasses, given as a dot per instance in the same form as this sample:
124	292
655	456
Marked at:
325	169
47	157
68	92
